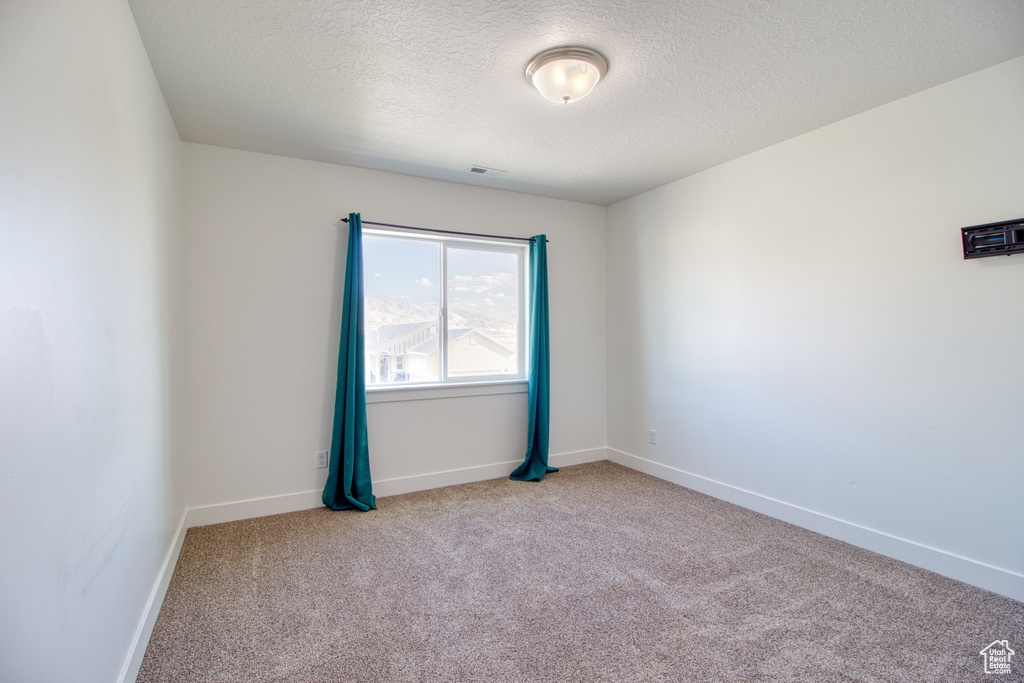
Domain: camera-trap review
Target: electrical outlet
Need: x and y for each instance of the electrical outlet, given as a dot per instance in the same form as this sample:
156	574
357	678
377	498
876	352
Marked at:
321	459
651	436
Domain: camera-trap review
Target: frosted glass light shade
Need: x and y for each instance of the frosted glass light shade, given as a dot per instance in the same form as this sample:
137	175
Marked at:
565	74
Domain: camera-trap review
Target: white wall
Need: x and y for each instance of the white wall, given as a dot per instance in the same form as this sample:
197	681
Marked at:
90	339
265	260
801	330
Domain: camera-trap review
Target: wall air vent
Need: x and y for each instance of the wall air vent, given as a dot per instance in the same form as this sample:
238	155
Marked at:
491	172
994	239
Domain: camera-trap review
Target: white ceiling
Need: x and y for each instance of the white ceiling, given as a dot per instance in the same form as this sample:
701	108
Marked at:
431	87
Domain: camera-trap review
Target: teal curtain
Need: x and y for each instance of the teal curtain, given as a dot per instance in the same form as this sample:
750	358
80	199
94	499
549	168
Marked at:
535	466
348	477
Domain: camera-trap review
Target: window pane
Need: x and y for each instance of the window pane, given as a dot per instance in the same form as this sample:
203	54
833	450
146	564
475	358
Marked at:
483	312
402	311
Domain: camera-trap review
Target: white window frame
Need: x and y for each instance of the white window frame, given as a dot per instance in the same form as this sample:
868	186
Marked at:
475	381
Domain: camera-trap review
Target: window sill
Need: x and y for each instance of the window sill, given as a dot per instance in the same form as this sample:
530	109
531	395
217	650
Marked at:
429	392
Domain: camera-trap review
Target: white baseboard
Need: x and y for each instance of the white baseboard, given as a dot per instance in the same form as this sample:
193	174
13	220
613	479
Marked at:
133	662
578	457
307	500
995	579
466	475
253	507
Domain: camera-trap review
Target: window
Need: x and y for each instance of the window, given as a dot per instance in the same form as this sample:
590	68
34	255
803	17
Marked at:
440	310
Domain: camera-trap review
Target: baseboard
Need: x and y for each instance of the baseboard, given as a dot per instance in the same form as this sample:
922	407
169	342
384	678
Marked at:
133	662
254	507
578	457
995	579
466	475
307	500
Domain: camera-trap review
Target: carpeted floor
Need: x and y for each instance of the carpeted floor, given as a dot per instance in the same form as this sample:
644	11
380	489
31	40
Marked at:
598	573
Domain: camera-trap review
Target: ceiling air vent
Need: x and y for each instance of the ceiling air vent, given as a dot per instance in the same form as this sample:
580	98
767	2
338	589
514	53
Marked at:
483	170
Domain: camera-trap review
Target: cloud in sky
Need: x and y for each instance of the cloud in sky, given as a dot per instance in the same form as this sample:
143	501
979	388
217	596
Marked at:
481	284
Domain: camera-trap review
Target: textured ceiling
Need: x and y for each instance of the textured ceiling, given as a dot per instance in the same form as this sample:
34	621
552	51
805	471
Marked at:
431	87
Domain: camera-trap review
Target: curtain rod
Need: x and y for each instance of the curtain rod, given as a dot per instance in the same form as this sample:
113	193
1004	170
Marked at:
448	232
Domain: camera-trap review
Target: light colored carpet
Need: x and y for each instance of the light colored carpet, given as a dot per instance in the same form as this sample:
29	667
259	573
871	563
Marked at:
598	573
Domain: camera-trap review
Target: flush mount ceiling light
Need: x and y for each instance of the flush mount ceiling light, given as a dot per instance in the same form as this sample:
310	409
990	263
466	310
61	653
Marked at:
565	74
